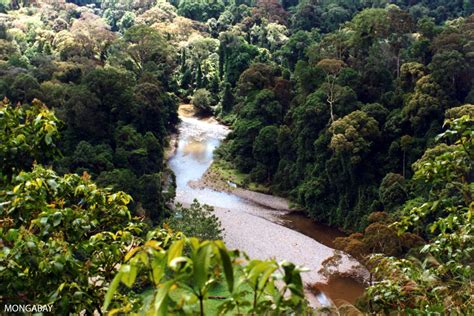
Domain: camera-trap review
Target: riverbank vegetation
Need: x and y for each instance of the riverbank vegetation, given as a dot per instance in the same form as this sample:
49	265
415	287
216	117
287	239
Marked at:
68	242
358	111
223	176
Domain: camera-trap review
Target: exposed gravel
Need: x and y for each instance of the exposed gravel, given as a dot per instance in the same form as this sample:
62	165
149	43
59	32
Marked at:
253	229
248	218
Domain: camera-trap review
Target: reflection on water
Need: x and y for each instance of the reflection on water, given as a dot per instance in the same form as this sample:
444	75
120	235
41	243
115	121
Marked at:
196	149
197	141
342	288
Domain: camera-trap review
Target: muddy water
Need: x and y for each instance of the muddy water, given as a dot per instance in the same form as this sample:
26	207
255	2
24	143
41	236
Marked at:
319	232
197	140
342	288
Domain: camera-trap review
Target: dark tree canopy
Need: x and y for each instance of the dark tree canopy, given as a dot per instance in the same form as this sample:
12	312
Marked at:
339	106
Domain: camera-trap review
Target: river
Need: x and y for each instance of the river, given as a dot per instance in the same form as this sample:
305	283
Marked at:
258	224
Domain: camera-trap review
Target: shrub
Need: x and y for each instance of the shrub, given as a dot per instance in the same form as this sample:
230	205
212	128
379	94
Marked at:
196	221
202	101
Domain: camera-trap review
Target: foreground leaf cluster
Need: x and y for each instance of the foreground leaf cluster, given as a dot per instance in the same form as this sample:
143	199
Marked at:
183	274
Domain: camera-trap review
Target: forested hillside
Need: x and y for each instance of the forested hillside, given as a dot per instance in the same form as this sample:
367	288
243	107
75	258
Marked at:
111	92
331	101
334	115
360	112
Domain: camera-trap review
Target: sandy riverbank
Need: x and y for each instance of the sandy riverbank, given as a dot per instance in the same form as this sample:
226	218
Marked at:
253	226
251	220
255	230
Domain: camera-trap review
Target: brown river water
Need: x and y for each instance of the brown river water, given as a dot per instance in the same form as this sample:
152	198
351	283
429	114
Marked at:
319	232
197	140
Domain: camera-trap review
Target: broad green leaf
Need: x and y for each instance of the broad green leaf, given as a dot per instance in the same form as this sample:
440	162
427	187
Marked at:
160	299
153	244
175	250
158	269
258	269
131	253
228	269
112	289
266	275
201	264
129	276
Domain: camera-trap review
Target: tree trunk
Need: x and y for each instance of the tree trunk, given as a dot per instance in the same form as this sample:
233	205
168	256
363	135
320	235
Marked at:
331	110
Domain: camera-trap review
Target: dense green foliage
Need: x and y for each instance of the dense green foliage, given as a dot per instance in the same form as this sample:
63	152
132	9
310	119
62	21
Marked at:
335	104
33	140
184	274
339	110
63	238
57	233
437	277
208	227
384	74
111	93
